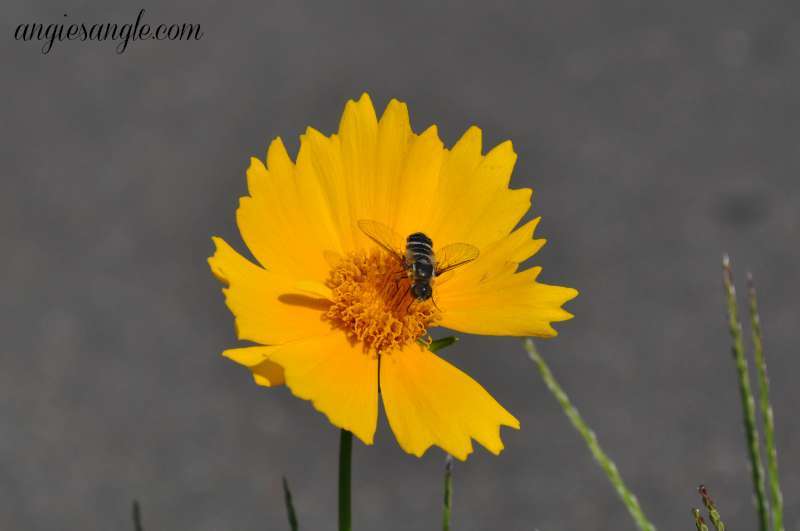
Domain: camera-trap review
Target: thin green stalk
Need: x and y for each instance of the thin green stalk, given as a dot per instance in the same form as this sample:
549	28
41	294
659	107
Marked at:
287	496
590	439
766	410
345	453
748	404
137	516
448	492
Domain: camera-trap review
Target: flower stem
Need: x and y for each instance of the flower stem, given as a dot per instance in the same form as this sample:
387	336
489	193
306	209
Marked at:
608	466
345	453
746	394
448	492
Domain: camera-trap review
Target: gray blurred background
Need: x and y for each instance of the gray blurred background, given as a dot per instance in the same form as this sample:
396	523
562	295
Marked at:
656	137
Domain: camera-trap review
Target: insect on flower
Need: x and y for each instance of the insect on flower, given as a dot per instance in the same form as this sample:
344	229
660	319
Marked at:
419	262
347	270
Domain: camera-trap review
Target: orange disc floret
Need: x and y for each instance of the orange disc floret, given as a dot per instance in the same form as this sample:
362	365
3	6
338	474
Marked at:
372	303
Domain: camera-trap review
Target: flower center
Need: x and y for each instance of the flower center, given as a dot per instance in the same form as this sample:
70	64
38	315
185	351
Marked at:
372	302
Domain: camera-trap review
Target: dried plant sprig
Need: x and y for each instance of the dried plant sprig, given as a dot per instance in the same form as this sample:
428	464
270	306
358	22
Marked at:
713	513
766	409
608	466
748	403
699	522
287	496
448	492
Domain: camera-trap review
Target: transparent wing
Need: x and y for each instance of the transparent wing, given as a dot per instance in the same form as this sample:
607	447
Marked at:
455	255
383	236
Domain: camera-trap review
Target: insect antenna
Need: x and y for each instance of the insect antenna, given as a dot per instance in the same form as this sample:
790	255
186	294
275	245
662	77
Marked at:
433	300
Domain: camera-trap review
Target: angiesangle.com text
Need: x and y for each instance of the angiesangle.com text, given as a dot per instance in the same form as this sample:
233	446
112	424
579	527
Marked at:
48	34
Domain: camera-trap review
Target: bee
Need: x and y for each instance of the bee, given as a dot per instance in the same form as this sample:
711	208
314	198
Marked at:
419	261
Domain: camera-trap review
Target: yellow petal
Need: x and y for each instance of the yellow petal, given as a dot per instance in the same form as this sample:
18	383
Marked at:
268	374
274	209
339	378
247	356
265	372
394	140
493	260
475	204
412	207
314	289
339	172
267	306
358	146
507	304
430	402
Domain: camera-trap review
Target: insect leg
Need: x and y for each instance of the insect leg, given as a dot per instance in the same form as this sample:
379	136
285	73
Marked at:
400	275
413	299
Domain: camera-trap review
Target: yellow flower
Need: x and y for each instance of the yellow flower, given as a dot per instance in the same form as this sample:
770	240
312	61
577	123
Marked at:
330	309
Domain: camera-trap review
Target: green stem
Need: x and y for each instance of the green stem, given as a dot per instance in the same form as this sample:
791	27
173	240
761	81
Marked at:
448	492
345	453
746	394
590	439
287	498
766	410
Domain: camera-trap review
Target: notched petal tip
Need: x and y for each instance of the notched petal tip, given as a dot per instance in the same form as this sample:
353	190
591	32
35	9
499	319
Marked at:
462	456
431	131
367	438
364	99
360	111
503	149
215	260
512	422
430	402
396	106
247	356
472	139
278	157
571	293
255	164
395	120
339	380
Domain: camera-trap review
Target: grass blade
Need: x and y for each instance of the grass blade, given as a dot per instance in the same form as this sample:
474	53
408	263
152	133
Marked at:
287	496
608	466
448	492
137	516
766	409
748	404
